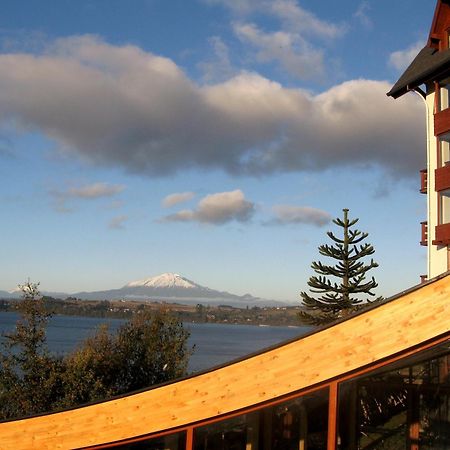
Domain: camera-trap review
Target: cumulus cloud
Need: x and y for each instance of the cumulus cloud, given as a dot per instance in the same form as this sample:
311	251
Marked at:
86	192
123	107
288	214
118	222
217	209
175	199
401	59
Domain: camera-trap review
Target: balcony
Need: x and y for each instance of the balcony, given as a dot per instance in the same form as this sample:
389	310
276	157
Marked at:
423	181
424	239
442	234
442	122
442	178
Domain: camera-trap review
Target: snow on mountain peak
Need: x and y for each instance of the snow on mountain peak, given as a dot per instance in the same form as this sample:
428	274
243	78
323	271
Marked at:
165	280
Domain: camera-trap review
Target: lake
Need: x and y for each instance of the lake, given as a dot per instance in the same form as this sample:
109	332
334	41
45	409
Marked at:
214	343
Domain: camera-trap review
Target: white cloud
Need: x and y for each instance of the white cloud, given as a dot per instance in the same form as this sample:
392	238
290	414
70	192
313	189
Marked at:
302	21
362	14
175	199
289	12
288	49
219	66
288	214
401	59
118	222
217	209
88	192
291	45
122	107
96	190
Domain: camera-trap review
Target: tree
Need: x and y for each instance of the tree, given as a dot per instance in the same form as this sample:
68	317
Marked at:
149	349
29	380
338	297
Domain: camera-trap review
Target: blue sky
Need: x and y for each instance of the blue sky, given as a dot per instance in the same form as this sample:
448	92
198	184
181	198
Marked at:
211	138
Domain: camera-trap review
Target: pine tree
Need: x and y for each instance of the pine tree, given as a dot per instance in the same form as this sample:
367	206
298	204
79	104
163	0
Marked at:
338	297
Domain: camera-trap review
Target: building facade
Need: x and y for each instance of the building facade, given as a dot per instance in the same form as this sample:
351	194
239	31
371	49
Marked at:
429	76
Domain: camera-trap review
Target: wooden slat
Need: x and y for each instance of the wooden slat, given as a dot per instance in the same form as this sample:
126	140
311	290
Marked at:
409	320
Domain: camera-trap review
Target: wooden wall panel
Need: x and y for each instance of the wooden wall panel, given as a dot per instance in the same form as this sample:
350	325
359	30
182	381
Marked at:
395	326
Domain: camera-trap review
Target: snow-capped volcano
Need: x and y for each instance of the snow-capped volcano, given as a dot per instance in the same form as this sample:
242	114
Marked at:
165	280
172	287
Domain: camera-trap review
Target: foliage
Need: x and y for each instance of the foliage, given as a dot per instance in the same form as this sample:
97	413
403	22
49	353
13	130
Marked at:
340	297
28	373
149	349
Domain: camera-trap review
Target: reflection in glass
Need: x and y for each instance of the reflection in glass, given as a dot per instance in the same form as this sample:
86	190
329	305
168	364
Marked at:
299	424
407	406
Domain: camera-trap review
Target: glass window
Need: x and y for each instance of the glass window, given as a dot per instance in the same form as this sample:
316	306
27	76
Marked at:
444	97
444	149
176	441
403	407
297	424
444	197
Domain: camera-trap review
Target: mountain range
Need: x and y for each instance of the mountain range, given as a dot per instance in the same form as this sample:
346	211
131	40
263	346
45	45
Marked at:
169	287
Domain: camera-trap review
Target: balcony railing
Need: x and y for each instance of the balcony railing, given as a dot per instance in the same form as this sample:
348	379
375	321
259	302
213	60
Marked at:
423	181
442	234
424	239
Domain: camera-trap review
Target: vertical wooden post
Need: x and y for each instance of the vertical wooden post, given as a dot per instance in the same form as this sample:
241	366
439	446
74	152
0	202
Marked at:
189	438
332	415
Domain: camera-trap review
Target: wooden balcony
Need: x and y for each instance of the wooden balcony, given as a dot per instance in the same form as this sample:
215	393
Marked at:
442	234
423	181
442	122
442	178
424	238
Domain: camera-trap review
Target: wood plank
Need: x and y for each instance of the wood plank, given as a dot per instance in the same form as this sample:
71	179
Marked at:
409	320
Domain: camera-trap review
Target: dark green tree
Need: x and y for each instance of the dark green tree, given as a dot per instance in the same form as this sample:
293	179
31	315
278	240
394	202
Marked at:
29	375
151	348
340	284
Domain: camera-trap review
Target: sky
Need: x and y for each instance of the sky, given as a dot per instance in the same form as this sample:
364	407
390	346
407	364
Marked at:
215	139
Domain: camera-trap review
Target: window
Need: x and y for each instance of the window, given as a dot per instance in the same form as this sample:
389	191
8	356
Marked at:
444	150
444	207
296	424
404	406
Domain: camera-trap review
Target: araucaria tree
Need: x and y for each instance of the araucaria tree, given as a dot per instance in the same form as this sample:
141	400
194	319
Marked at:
342	284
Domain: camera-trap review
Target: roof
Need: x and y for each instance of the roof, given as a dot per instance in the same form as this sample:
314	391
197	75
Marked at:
427	64
401	324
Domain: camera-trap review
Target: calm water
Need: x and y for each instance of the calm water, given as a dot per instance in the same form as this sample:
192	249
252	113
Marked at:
214	343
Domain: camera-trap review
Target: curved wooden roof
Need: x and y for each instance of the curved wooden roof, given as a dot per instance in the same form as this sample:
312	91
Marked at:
405	321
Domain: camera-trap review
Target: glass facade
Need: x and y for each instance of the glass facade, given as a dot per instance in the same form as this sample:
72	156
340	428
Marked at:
403	406
297	424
